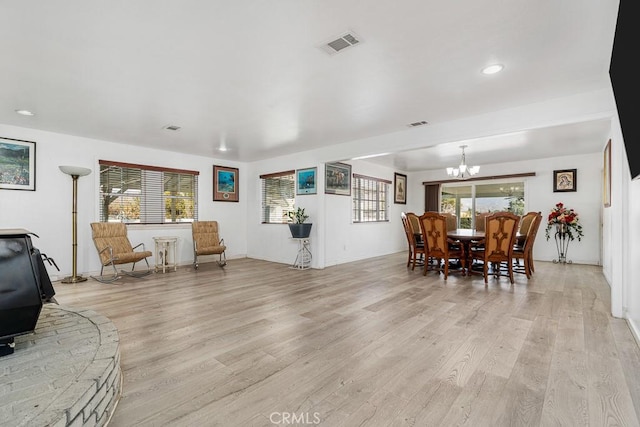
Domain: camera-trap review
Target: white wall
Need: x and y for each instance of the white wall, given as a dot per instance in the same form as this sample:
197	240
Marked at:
586	200
47	211
334	238
621	229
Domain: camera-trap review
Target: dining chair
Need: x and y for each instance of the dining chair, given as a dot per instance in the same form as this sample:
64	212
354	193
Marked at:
416	246
480	217
438	246
500	233
452	220
525	224
525	251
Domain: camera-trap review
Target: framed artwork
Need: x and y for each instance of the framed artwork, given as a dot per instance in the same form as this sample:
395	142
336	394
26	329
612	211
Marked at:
565	180
17	164
400	188
306	181
606	184
225	184
337	179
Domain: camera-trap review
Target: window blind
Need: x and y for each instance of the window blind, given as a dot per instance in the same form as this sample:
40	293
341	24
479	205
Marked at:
144	194
278	196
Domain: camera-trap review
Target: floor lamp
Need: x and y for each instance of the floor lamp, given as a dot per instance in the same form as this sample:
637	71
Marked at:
75	172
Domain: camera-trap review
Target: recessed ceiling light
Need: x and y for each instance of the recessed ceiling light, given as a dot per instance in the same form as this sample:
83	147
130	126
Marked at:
223	149
492	69
25	113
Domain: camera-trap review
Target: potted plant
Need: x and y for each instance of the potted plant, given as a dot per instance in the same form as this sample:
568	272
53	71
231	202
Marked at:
299	229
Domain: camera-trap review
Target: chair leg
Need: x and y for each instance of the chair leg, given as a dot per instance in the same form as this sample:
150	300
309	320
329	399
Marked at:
531	263
223	259
485	271
195	259
510	269
102	279
138	274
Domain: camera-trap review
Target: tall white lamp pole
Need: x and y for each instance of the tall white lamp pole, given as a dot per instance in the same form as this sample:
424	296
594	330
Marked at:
75	173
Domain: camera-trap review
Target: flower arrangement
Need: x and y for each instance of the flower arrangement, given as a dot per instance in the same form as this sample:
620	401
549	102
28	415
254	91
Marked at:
565	220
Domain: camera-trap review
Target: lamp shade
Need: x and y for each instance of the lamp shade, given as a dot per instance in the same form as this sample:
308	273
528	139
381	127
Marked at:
75	170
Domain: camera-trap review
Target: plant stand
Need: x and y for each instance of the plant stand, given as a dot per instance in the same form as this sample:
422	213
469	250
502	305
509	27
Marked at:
303	259
562	244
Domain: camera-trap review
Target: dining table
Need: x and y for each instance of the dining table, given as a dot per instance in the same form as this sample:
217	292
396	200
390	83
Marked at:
465	236
468	235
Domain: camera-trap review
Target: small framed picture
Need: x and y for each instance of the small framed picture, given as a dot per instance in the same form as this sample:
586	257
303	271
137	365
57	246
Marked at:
306	181
337	179
17	164
225	184
565	180
400	188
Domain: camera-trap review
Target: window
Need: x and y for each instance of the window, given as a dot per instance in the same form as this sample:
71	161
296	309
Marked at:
370	199
467	200
278	197
147	194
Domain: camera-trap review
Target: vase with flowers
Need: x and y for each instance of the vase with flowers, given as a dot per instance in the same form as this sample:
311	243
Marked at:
566	223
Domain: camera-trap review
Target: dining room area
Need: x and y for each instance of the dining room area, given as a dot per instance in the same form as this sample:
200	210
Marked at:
501	243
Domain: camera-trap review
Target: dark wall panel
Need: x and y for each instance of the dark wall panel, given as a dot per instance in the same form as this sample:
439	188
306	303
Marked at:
624	79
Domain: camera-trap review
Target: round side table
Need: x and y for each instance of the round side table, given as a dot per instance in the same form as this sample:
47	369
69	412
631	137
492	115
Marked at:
166	257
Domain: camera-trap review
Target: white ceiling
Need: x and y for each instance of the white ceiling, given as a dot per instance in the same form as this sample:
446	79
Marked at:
250	75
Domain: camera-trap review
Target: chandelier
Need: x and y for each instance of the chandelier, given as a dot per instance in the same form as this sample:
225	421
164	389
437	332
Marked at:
463	171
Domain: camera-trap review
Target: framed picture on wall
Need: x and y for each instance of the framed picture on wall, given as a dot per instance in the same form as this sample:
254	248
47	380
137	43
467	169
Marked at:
17	164
606	176
400	188
337	179
306	181
225	184
565	180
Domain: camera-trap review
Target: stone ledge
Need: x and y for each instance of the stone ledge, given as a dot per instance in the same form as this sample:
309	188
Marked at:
65	373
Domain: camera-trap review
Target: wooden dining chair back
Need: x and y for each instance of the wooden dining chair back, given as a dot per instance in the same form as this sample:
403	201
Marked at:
207	241
414	239
452	220
526	222
500	233
524	252
113	246
480	220
437	245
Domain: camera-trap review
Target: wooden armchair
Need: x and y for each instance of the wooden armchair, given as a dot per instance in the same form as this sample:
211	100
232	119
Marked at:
437	245
114	247
497	248
206	241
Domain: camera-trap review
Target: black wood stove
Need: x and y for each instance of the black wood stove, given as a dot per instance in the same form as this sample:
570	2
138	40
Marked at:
24	286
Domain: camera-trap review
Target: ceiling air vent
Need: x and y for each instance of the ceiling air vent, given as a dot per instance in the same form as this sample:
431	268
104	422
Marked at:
172	127
342	42
414	124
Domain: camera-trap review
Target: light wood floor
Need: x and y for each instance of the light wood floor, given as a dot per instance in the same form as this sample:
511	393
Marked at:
370	343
